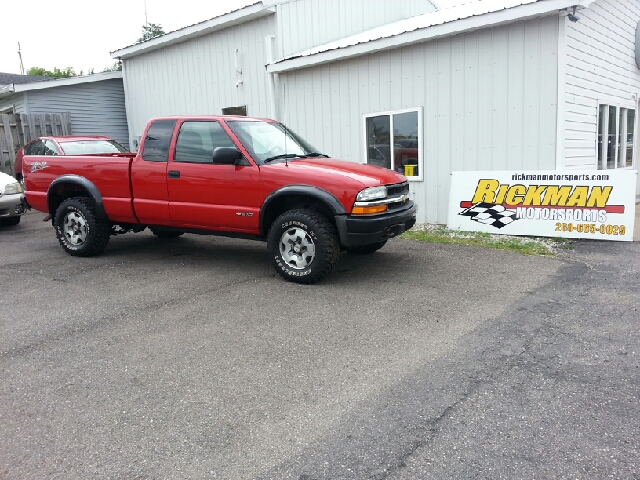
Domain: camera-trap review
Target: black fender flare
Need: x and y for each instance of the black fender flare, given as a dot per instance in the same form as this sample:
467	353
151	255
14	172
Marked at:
308	190
87	185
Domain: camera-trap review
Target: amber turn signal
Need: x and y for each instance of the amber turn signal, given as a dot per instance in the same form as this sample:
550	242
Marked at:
369	210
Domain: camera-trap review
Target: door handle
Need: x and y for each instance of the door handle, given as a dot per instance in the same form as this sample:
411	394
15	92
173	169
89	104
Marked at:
174	174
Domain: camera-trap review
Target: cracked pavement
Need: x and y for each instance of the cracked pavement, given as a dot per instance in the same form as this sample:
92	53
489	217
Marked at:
190	358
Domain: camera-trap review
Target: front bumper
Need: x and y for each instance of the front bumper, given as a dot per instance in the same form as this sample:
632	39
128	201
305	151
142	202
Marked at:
12	205
357	230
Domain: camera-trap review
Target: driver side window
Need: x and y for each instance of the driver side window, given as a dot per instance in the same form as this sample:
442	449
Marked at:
197	141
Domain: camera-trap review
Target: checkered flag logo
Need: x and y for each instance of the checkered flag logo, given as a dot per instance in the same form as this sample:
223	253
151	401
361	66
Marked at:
490	214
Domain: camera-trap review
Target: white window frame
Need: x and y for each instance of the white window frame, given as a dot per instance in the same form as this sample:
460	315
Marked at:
621	133
391	113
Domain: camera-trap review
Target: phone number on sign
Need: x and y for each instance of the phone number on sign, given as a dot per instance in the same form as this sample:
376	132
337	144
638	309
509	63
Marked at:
591	228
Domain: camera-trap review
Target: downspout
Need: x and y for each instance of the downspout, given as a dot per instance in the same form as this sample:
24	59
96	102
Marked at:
562	85
127	106
271	77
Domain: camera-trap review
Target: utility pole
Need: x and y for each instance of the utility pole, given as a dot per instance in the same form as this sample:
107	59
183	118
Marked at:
21	64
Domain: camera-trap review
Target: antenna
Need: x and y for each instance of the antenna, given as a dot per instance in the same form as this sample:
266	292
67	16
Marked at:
21	64
146	22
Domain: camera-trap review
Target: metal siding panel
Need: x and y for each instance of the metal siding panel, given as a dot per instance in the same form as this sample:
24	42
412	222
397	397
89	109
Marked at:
600	69
500	140
548	100
531	96
485	99
375	86
326	109
515	96
444	165
96	108
471	94
304	24
457	103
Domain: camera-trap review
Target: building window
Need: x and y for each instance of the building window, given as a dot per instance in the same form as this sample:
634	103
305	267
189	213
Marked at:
242	111
394	140
616	137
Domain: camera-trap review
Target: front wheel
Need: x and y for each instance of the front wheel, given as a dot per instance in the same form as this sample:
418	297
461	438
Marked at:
303	245
78	228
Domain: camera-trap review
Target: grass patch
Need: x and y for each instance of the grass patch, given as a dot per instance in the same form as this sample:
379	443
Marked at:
524	245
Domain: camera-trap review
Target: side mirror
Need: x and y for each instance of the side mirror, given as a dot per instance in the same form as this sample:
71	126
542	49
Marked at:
226	155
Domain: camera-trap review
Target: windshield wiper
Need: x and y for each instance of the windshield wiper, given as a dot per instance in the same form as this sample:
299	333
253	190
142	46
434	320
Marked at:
317	154
284	155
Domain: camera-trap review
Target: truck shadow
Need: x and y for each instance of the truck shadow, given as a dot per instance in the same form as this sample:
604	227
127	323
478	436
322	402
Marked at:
250	256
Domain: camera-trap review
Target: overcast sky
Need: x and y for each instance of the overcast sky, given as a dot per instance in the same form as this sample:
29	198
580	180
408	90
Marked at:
81	33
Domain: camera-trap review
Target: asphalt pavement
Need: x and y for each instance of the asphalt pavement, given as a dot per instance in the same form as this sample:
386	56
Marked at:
191	358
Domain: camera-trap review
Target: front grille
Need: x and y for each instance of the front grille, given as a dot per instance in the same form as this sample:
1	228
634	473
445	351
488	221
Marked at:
398	189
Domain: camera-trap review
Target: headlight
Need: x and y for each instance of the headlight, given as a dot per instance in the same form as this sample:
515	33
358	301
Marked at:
12	189
372	193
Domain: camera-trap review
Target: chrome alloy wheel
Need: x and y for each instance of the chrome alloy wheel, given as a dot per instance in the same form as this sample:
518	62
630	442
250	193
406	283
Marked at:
75	228
297	248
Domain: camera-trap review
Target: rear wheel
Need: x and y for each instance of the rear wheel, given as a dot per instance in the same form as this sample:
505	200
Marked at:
78	228
363	249
303	245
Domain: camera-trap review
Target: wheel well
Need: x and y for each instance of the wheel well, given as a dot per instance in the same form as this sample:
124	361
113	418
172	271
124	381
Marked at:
61	191
291	202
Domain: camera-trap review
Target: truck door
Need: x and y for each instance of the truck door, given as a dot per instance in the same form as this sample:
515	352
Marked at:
149	175
203	194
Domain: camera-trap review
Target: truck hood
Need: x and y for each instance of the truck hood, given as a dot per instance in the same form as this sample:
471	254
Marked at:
367	175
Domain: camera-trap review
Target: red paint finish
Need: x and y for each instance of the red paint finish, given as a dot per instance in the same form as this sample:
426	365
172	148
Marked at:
206	196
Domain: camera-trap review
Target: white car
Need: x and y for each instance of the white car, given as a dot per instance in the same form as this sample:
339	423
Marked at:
12	203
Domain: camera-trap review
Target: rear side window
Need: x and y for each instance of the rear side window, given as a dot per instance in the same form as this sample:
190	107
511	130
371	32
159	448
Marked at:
36	148
156	143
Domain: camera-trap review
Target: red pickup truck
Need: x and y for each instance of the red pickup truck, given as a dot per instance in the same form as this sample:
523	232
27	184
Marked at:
233	176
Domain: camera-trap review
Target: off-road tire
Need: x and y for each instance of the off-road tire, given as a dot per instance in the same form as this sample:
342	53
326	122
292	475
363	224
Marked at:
10	221
304	230
364	249
166	234
78	228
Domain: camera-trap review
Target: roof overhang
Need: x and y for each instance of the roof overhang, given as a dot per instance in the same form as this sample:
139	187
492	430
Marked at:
242	15
11	89
424	28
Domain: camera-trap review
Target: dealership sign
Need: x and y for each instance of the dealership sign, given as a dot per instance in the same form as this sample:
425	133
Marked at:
586	204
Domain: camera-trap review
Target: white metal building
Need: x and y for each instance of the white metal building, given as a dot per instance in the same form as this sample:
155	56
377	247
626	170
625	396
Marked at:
428	87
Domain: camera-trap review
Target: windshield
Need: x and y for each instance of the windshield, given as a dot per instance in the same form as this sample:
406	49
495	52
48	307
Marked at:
266	140
91	147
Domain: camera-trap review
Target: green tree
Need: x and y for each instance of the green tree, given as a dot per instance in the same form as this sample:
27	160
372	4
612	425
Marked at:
56	73
149	31
116	67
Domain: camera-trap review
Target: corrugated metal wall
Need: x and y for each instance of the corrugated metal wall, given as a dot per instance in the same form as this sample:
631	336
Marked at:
304	24
16	101
601	68
489	98
199	76
96	108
